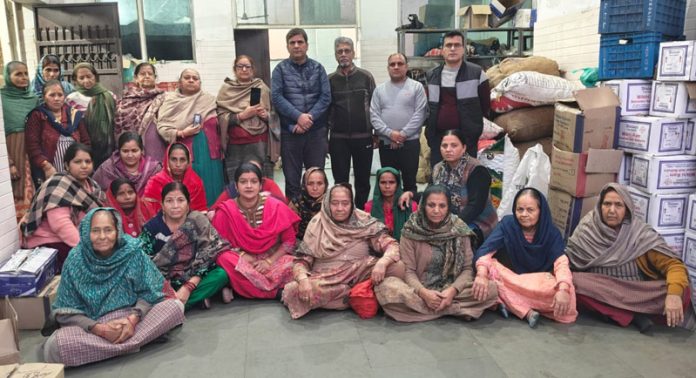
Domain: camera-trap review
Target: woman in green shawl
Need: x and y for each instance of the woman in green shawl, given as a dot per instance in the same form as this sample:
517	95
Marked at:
17	101
99	106
384	204
112	300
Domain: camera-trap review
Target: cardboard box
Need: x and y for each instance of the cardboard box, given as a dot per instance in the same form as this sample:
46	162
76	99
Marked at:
674	238
566	210
634	95
677	61
652	135
36	369
32	312
689	137
502	8
27	271
666	210
624	176
668	174
690	222
474	16
689	253
673	99
9	336
584	174
589	122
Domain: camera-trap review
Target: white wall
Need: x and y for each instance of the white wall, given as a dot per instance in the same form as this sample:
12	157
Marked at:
551	9
378	20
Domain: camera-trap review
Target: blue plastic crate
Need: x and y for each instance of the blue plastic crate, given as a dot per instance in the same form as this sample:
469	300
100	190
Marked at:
630	16
630	55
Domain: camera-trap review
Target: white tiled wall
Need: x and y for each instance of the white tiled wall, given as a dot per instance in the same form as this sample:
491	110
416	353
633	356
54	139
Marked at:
9	237
378	38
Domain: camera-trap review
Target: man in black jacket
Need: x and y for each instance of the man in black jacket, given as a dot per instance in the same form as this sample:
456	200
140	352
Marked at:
349	121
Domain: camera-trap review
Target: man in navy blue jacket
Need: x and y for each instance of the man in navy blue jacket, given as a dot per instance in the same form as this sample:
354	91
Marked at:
301	95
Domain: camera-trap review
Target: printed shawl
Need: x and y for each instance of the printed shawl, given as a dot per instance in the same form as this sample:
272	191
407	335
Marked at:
99	113
61	190
594	244
526	257
39	81
306	206
113	168
94	286
134	105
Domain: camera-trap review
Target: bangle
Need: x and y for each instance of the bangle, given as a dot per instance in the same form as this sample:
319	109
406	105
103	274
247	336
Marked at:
241	254
190	286
268	261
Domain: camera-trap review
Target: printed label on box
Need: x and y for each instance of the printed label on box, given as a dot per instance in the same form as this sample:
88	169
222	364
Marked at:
638	97
641	205
639	172
665	97
676	174
688	134
671	212
634	135
689	256
673	61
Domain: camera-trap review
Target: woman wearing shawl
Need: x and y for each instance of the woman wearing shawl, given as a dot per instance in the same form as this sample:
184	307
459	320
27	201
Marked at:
60	203
335	255
17	101
177	167
308	204
244	127
261	229
436	251
140	102
130	162
624	269
469	185
189	116
385	201
49	68
125	200
99	106
268	188
529	266
50	129
111	297
184	246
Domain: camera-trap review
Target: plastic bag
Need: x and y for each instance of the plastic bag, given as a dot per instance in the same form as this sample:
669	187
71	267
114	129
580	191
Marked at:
362	300
510	162
533	171
529	88
589	76
493	158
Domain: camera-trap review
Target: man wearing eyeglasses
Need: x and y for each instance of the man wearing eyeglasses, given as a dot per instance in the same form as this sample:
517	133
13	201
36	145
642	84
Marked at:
350	128
458	97
397	112
301	95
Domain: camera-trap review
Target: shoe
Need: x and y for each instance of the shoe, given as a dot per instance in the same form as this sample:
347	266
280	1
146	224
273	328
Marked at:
227	294
206	305
502	309
279	294
643	323
532	318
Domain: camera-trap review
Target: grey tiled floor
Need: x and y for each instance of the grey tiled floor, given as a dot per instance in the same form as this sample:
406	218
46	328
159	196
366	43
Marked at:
258	339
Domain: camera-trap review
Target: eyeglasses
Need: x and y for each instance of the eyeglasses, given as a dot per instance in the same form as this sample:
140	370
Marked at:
343	51
243	67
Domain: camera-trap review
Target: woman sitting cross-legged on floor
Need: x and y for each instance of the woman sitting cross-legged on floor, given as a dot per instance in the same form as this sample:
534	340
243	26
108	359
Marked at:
529	266
111	300
184	245
335	255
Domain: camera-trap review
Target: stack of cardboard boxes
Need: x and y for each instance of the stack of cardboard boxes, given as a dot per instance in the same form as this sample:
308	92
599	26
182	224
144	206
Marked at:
583	157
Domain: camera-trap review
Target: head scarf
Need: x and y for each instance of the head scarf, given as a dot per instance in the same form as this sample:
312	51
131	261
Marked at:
177	110
526	257
153	190
39	81
450	237
377	211
140	214
61	190
113	168
94	286
100	111
594	244
307	206
16	103
326	238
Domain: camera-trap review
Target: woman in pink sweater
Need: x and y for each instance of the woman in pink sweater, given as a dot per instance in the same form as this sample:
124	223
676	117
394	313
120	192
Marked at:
60	204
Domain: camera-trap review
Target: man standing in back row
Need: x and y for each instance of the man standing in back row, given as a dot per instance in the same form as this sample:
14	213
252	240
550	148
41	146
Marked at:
301	95
349	121
458	97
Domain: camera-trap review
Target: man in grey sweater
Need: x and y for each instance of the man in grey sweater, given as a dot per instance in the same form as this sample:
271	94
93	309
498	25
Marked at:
397	111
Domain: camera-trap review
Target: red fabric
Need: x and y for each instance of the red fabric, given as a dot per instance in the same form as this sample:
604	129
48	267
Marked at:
485	143
389	214
448	115
244	287
152	196
231	224
363	300
504	105
41	138
133	222
269	186
622	317
237	135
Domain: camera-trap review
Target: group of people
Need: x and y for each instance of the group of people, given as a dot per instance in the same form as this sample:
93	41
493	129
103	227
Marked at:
140	241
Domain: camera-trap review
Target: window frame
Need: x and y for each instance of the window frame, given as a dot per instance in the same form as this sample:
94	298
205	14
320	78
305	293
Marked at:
297	23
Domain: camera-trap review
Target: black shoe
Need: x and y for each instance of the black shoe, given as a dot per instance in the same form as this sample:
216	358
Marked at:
279	294
643	323
532	318
502	309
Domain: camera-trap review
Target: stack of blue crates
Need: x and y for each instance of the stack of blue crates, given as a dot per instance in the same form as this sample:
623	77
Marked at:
631	32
